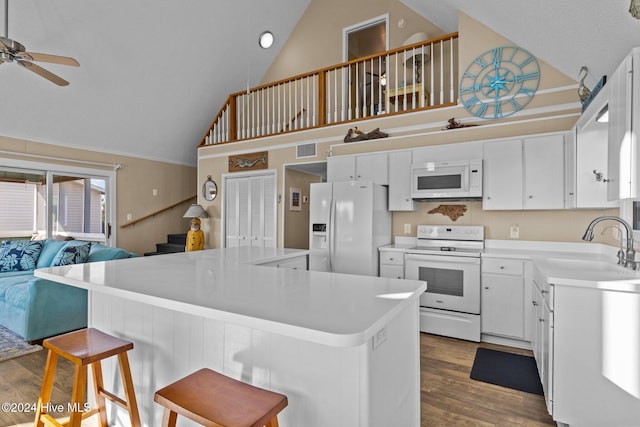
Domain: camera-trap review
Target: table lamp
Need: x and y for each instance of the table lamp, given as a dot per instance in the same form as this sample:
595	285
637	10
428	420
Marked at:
415	58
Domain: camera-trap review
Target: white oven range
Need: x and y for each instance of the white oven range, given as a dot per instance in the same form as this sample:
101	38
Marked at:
448	259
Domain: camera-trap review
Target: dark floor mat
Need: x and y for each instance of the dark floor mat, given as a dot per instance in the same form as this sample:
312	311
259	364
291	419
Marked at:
506	369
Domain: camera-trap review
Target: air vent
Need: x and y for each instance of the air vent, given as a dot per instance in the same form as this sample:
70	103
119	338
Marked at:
306	150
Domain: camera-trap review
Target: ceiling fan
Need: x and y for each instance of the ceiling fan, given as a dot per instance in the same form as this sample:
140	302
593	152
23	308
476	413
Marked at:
12	51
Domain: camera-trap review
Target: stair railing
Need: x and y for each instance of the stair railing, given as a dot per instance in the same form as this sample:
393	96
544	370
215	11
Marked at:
413	77
152	214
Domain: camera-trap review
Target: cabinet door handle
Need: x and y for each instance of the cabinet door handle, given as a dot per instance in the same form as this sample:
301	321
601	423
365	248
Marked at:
502	267
541	320
531	197
486	287
534	303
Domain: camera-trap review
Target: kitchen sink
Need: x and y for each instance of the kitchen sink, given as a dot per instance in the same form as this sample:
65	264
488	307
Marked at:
591	269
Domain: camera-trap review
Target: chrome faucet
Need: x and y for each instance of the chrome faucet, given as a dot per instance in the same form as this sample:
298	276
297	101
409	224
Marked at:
629	257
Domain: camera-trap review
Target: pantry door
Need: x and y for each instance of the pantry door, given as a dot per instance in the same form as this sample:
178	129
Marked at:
250	209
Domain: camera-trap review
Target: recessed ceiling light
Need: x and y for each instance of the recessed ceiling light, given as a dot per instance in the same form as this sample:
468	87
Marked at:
265	40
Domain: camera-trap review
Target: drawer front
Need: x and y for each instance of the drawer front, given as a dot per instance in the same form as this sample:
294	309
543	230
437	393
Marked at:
392	271
392	257
513	267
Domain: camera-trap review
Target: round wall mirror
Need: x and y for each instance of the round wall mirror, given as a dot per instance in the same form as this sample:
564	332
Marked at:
209	189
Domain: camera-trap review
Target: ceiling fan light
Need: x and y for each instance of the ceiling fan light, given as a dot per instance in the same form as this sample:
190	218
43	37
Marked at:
266	39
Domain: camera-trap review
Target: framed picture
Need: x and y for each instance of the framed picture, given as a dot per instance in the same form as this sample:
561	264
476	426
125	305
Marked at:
294	199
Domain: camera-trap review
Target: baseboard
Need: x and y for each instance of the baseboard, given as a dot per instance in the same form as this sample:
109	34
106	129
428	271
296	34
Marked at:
510	342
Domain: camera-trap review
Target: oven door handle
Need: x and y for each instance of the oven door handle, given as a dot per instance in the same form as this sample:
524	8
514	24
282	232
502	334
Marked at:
442	259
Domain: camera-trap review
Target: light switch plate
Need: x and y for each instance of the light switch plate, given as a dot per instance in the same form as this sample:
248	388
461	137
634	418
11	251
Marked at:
514	231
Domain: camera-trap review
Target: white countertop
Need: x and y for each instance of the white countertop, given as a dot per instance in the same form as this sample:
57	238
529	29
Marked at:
397	247
226	284
587	265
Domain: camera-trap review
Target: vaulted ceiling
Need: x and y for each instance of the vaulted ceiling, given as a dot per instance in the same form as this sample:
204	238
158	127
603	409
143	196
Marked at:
153	73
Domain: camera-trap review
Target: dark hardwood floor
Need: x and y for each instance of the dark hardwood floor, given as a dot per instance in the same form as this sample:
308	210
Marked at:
449	397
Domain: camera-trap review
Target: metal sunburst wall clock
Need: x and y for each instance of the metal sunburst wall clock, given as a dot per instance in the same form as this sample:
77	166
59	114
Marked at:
499	82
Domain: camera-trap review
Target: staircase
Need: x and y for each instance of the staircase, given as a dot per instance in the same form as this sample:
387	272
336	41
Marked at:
175	243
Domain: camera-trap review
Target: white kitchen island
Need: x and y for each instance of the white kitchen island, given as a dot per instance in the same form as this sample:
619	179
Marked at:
343	348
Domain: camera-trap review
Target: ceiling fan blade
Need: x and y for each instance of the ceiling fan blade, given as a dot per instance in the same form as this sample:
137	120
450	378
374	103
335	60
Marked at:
43	73
54	59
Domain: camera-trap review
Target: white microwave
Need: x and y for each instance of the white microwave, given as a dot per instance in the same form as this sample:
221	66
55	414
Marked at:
460	179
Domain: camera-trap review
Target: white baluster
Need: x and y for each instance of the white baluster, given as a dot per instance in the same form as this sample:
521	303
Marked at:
451	82
441	73
431	87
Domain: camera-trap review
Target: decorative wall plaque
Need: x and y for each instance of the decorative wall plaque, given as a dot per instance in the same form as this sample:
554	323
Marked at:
452	211
248	162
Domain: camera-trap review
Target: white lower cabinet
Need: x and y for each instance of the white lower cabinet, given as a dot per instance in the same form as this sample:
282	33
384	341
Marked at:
587	348
595	352
504	312
542	339
391	264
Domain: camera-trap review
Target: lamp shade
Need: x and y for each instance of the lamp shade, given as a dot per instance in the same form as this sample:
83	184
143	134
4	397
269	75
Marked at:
419	54
415	38
196	211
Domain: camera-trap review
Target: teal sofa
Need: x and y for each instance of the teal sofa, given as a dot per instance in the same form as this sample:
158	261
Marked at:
36	308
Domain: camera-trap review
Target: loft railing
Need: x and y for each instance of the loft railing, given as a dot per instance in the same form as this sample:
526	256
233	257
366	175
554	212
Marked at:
413	77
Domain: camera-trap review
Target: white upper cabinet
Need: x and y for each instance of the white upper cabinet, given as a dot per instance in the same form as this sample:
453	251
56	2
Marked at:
502	180
448	152
341	168
400	182
587	157
357	167
544	172
524	173
623	129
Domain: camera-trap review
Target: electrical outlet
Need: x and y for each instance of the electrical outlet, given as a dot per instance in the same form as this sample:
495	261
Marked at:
379	338
155	191
514	231
407	229
129	217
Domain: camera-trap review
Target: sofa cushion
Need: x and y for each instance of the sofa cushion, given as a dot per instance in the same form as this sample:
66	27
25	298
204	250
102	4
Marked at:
73	252
49	251
15	290
19	255
15	273
100	252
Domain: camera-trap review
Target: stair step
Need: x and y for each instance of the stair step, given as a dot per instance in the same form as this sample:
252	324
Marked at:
177	238
169	247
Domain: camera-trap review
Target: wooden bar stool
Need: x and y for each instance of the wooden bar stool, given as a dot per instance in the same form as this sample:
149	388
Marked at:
215	400
87	347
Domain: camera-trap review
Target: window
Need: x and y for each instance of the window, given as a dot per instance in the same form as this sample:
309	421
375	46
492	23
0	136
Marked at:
65	203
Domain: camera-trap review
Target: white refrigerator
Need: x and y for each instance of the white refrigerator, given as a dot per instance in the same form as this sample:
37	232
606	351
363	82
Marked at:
349	221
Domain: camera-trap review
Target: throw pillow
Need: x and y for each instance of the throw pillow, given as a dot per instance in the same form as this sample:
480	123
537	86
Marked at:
19	255
73	252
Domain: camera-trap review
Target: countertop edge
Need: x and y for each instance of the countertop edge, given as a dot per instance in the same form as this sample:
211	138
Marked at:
331	339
